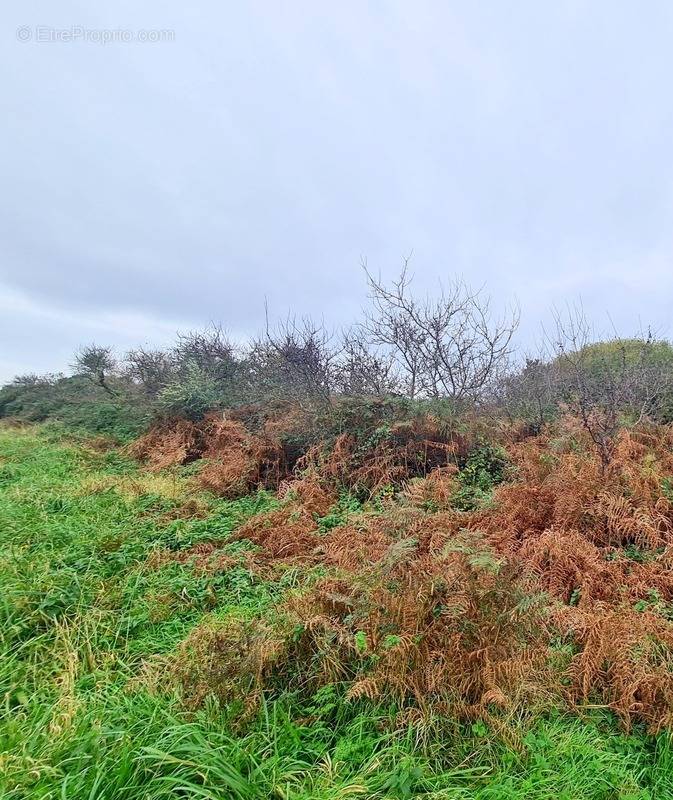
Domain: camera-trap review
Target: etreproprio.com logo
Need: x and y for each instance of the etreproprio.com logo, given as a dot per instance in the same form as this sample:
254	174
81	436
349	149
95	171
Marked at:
46	34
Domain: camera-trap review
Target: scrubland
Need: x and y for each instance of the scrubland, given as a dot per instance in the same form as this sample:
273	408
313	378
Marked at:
191	616
402	561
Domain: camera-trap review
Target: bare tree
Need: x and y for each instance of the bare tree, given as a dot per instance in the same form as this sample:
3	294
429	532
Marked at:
152	369
96	363
295	359
363	370
448	346
209	350
31	380
528	393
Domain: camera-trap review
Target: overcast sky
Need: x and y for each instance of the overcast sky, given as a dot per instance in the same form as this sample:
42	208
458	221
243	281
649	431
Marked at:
264	148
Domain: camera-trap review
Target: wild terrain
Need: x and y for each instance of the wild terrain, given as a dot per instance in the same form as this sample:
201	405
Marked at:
500	627
400	562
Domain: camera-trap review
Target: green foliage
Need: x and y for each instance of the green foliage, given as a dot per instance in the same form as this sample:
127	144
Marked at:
371	419
361	417
608	366
484	468
339	514
667	488
78	404
190	396
611	354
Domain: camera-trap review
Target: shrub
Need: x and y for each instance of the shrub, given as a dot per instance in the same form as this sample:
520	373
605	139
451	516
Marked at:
484	469
191	396
77	403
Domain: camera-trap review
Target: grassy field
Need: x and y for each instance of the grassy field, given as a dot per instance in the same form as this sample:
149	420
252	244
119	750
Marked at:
89	607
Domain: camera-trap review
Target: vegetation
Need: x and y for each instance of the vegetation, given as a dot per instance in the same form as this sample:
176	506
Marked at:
407	356
160	641
76	403
385	564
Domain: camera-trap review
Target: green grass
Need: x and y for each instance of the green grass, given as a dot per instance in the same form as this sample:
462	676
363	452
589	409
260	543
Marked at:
82	614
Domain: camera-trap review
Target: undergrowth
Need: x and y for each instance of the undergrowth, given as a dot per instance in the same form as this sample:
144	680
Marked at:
112	575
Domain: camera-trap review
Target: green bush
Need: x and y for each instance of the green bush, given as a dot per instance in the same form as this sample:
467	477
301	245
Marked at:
78	404
484	468
191	396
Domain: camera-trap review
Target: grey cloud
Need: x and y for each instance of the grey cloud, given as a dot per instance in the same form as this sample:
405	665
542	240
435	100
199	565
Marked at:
271	145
